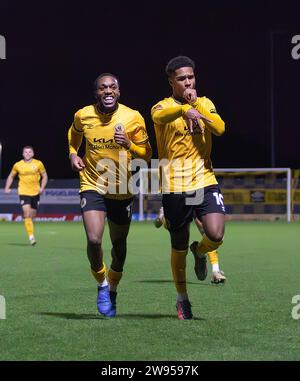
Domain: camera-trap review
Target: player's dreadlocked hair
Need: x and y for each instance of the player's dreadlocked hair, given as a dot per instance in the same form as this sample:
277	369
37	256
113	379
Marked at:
178	62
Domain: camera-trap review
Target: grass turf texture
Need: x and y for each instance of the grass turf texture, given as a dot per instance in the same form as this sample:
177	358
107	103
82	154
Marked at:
51	311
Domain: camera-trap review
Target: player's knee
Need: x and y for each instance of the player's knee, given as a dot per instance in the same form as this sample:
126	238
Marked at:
180	247
180	239
93	240
216	235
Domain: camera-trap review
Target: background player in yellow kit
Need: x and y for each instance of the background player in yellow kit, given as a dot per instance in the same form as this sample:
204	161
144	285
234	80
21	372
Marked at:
218	275
29	171
109	128
184	124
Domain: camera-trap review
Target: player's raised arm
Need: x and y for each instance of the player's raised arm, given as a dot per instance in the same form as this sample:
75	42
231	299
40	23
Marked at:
141	151
193	116
161	115
139	142
213	121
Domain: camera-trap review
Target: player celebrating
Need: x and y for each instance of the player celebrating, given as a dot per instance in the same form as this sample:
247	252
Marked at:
29	171
109	128
184	124
218	276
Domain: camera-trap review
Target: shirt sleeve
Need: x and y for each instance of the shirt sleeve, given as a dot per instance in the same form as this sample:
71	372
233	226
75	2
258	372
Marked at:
138	134
140	146
207	108
15	169
163	115
41	168
75	134
77	124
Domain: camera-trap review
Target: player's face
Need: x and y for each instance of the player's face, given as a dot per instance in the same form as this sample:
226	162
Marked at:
28	154
107	93
182	79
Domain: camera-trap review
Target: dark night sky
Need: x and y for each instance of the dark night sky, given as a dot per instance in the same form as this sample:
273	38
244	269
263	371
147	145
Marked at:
55	50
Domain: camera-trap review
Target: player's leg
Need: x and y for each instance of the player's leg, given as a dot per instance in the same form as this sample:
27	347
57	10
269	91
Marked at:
179	243
212	255
94	222
211	212
28	223
33	213
119	214
200	266
34	203
214	224
93	214
27	218
118	235
218	275
178	216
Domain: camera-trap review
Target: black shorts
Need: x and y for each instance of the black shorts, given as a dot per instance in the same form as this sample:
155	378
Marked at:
33	201
118	211
178	213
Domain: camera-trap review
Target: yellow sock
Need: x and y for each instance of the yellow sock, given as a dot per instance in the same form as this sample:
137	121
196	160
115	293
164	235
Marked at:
28	226
213	257
206	245
178	264
100	275
114	278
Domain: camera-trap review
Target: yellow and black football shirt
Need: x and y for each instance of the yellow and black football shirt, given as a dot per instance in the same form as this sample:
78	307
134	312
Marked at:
101	151
29	173
189	152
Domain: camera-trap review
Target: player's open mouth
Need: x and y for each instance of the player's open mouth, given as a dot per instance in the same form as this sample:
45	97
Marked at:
108	100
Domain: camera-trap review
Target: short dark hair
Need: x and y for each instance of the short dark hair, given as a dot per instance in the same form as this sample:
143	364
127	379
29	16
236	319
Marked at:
178	62
28	147
105	75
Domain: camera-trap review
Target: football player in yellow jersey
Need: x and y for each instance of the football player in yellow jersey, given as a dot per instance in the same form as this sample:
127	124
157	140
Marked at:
114	134
29	171
184	124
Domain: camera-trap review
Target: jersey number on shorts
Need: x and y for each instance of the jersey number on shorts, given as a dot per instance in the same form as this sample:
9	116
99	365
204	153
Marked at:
219	198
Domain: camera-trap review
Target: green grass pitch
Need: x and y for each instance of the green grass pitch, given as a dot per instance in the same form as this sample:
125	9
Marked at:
51	311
